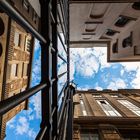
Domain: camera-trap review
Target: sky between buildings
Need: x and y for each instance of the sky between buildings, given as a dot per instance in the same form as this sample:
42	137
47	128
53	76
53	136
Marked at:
89	70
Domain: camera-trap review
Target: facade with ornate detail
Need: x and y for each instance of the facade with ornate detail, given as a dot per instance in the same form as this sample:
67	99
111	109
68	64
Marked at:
107	115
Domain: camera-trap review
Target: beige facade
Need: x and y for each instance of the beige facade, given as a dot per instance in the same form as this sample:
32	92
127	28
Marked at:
111	25
106	115
16	68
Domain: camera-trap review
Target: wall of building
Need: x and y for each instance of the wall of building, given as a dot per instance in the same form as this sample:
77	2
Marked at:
102	113
123	48
3	41
16	52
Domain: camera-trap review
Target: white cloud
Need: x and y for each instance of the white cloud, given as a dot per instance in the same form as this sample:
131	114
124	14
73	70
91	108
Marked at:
122	72
99	88
100	53
131	66
87	66
117	84
37	45
84	62
22	128
10	123
36	102
136	81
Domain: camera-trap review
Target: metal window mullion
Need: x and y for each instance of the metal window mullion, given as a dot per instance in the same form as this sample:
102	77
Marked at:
63	88
46	69
61	114
63	15
13	101
62	58
54	71
65	7
62	43
66	121
70	117
68	45
19	19
60	20
62	74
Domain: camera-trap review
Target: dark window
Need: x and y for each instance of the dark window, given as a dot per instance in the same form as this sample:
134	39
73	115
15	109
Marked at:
0	50
28	47
122	21
1	27
127	42
1	11
19	40
115	47
110	32
136	6
34	17
102	102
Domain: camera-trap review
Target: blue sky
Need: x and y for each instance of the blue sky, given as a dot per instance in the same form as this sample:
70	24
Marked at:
89	69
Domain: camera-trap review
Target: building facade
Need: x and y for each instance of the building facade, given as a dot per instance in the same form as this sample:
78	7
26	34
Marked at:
112	25
106	115
16	53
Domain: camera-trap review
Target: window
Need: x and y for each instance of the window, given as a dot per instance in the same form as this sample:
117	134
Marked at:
136	6
97	96
108	109
127	42
25	69
114	96
26	5
83	107
130	106
17	39
14	70
27	44
110	32
115	47
122	21
34	17
89	136
1	26
1	49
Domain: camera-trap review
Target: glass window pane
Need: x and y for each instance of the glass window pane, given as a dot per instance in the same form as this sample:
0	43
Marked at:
108	109
130	106
61	83
16	39
61	48
62	66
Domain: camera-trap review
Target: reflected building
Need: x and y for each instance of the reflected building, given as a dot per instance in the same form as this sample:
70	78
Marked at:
107	115
16	52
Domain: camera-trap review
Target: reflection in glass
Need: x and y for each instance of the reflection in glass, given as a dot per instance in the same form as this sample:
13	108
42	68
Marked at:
62	66
61	48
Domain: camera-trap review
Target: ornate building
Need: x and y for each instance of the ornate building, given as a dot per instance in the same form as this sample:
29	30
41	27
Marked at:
107	115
